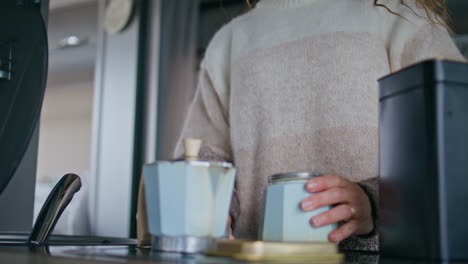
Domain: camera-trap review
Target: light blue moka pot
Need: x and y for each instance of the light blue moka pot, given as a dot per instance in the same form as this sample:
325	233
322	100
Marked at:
188	201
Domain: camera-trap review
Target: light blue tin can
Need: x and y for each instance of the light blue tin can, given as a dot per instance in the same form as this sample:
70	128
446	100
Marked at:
283	219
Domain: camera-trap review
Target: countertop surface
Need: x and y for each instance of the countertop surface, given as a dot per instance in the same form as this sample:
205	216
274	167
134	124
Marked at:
134	254
122	254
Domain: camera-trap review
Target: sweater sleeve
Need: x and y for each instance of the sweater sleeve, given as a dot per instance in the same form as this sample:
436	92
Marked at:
207	120
429	42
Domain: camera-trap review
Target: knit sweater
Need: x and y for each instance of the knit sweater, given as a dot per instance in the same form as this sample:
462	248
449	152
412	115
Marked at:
292	86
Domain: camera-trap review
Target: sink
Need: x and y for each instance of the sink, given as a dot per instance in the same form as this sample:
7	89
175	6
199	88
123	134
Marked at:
67	240
56	202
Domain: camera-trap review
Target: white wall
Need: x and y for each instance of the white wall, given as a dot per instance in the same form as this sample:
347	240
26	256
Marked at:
66	121
65	131
64	147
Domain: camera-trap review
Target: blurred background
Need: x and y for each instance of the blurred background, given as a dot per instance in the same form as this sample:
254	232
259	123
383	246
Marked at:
110	106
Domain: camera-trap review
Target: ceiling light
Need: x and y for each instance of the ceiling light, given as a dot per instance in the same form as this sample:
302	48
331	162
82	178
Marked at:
71	42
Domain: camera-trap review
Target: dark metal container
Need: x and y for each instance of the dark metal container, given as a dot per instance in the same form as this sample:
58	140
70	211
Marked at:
424	162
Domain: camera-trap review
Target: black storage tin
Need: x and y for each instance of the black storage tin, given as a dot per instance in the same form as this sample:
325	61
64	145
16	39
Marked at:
424	162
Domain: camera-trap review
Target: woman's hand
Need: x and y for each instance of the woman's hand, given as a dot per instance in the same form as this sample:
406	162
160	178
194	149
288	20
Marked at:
351	206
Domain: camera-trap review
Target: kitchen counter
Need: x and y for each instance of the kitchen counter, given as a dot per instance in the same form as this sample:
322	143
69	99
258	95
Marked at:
112	254
135	255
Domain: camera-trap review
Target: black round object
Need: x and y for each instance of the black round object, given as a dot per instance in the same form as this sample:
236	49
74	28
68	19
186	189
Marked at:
23	73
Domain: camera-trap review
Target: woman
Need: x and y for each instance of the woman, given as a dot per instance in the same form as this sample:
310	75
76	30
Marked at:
292	86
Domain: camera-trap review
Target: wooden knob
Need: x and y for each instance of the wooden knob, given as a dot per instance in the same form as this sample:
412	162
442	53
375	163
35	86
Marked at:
192	148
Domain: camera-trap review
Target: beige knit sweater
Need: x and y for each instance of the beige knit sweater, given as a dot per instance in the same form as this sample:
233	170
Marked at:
292	86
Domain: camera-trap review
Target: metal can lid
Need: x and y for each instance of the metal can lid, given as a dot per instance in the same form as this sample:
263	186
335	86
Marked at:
292	176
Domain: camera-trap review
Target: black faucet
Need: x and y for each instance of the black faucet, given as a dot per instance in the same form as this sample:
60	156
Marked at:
53	208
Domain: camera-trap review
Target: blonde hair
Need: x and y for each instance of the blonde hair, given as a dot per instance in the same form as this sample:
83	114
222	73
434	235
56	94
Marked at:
436	11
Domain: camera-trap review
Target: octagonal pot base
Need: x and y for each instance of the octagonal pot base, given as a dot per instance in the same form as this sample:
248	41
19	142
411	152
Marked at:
183	244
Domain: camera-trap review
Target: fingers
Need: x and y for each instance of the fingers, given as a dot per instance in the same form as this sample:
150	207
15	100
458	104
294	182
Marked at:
343	232
351	204
326	182
337	214
329	197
